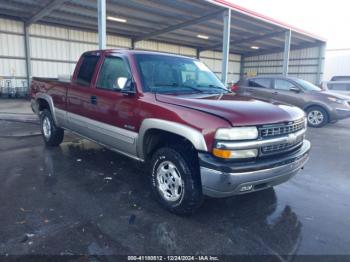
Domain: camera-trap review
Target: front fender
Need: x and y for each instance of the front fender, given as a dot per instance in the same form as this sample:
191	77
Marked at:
191	134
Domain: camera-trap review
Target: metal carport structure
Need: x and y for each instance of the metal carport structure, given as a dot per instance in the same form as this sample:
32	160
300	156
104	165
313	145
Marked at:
201	25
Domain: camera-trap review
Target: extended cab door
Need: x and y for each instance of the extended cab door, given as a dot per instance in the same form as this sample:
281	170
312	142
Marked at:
79	94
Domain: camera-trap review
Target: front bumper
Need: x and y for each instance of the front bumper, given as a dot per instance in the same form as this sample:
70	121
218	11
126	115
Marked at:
342	113
220	179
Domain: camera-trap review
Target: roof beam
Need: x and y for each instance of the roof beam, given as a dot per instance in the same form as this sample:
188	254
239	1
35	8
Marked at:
44	12
178	26
281	49
249	39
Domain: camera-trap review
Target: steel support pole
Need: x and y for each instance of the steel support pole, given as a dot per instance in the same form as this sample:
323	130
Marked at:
320	67
287	41
242	67
198	53
101	24
27	54
226	45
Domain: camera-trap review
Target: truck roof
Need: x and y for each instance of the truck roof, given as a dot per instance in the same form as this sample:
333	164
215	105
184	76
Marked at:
132	52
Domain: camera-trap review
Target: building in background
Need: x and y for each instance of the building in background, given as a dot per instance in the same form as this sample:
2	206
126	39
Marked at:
337	63
46	40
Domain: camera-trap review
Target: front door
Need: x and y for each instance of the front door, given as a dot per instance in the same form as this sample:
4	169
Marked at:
114	113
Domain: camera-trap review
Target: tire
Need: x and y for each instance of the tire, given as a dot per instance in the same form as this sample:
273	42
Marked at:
52	135
183	193
317	116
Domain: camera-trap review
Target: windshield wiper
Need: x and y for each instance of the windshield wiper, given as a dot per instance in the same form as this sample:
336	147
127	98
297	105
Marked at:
218	87
177	85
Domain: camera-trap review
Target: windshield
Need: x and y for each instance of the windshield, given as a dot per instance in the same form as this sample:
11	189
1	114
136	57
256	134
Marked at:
307	85
170	74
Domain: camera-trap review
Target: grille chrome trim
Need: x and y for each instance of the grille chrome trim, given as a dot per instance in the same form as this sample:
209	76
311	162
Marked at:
282	129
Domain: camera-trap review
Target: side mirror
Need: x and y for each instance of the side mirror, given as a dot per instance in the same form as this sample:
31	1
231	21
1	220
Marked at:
121	82
295	89
125	85
128	86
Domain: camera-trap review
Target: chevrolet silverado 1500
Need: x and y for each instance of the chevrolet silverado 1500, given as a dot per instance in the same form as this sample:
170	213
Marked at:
172	112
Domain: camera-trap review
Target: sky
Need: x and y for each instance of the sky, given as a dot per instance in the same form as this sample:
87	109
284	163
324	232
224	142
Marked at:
328	19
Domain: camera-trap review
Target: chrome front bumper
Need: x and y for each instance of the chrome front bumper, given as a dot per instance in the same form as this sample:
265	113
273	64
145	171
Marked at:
228	181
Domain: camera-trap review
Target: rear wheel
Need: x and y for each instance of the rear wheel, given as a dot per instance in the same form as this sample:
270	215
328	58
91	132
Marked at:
317	116
53	135
175	179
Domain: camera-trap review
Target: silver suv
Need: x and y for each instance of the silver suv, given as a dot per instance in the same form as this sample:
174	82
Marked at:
320	106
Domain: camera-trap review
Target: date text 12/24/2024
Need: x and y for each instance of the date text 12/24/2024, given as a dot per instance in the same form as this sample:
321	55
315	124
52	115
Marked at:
173	258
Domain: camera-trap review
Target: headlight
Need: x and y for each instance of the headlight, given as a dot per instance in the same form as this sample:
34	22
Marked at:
337	100
237	133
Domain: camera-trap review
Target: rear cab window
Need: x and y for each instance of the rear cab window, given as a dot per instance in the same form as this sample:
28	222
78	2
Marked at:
87	69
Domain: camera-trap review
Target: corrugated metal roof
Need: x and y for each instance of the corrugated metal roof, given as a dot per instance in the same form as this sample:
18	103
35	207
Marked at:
144	17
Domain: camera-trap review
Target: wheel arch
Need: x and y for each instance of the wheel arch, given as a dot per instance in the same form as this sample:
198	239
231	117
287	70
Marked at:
45	101
307	107
155	132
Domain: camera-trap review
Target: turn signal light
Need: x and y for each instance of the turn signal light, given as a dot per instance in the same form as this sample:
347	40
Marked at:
237	154
222	153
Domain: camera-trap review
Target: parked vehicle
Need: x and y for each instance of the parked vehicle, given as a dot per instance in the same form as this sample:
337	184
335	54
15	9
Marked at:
172	113
320	106
338	84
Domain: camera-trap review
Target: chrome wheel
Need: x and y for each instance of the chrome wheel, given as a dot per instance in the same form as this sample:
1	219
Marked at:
315	117
47	127
170	183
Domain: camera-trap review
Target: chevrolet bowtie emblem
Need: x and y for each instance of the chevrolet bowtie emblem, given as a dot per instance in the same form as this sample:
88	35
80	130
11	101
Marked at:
292	138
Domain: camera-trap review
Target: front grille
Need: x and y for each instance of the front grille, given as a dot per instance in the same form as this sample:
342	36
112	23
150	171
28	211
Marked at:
277	130
267	150
281	129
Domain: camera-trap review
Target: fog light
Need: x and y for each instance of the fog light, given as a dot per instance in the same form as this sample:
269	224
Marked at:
246	188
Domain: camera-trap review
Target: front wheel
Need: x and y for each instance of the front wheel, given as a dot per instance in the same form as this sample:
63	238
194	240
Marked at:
53	135
317	116
175	179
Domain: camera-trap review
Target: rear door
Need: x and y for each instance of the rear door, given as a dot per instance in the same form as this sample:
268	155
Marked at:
259	88
283	93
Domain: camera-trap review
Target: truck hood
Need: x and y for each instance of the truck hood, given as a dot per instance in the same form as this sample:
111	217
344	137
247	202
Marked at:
238	110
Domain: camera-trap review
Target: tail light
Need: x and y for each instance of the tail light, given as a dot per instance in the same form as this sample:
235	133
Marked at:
234	88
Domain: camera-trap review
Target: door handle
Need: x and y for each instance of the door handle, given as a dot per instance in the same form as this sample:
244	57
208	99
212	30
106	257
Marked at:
275	93
93	100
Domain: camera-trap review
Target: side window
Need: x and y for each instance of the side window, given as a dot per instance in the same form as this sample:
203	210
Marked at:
260	82
281	84
87	69
113	74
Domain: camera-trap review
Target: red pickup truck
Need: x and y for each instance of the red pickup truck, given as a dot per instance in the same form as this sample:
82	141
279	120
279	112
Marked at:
172	112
